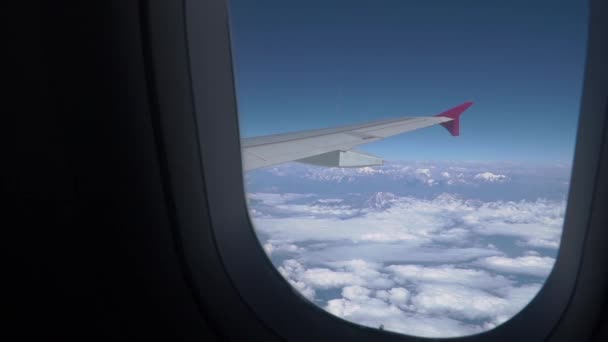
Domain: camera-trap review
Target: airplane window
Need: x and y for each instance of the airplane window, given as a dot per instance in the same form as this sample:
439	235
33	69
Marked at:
407	163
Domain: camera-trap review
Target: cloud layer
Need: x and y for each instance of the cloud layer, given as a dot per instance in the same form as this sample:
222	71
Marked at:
441	265
413	222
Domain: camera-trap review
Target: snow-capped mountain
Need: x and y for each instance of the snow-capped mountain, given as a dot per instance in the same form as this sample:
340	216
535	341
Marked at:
381	200
470	179
490	177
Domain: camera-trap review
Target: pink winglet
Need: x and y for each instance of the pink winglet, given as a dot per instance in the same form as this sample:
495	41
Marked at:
454	126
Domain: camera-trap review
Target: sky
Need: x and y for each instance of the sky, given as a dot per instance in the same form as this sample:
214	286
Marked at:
314	64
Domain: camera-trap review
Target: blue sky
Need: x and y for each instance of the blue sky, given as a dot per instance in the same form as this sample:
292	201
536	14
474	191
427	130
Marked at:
313	64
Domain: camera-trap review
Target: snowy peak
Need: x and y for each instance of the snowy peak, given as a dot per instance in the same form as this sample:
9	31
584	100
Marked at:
381	200
490	177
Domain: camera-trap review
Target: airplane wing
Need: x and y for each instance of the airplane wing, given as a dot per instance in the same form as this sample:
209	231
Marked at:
333	146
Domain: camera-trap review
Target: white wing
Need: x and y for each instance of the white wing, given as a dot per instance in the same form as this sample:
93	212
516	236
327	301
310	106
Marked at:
332	146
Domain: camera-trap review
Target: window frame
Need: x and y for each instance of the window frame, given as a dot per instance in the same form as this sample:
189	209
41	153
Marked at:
190	77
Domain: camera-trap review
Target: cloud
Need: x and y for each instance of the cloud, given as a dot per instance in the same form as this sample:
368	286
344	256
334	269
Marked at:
434	301
462	302
421	172
424	172
370	271
457	301
325	278
303	289
448	274
354	272
401	252
359	305
531	234
290	270
530	264
423	266
310	222
398	296
280	205
381	200
538	223
490	177
281	247
518	297
551	242
276	199
445	218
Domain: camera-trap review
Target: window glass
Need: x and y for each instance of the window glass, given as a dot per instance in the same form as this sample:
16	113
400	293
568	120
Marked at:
451	235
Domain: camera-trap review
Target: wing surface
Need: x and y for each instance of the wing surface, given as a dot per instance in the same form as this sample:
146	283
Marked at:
301	146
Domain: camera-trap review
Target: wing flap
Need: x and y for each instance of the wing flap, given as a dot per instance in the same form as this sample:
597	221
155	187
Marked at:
291	150
343	159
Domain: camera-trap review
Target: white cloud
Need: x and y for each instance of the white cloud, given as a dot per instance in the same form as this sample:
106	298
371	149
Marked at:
518	298
551	242
320	278
373	253
275	199
290	270
457	301
367	270
529	264
355	293
303	289
388	237
281	247
538	223
330	200
325	278
358	305
381	200
490	177
408	217
425	172
417	221
356	302
401	253
398	296
368	170
354	272
434	301
448	274
414	171
461	302
532	234
268	248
